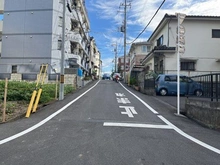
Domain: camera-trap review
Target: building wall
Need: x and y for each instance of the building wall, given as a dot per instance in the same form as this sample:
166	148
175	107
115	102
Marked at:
33	31
121	63
27	33
2	6
199	44
1	27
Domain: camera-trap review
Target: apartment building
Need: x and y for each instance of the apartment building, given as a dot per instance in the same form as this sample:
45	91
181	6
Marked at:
121	64
202	50
1	24
95	60
32	35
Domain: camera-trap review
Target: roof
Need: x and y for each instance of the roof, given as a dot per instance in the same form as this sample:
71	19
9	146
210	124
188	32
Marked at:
168	17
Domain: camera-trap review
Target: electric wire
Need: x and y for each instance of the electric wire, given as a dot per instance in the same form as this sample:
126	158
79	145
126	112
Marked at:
148	22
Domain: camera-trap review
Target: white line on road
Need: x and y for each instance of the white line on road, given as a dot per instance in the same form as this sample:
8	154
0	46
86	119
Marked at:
176	128
45	120
136	125
188	136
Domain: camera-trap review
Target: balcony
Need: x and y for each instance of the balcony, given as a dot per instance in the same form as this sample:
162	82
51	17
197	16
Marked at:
74	37
74	60
2	6
77	38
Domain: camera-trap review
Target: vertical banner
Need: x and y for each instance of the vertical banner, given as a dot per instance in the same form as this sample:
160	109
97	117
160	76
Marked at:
180	50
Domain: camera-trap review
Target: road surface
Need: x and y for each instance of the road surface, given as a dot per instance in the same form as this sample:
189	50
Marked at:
107	123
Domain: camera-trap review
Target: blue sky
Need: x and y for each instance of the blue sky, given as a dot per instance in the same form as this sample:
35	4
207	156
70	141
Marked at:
107	16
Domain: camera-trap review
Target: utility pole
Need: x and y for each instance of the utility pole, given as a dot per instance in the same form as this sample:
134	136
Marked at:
115	50
61	91
124	29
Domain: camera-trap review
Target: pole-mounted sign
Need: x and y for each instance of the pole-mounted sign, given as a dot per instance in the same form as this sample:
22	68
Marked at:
180	50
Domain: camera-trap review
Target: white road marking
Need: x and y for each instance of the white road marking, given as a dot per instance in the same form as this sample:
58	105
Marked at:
216	150
120	94
136	125
149	107
123	100
188	136
45	120
128	111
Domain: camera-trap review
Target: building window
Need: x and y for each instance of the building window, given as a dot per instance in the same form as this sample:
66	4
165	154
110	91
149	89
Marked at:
160	41
60	23
59	45
215	33
144	48
74	25
122	60
73	3
14	69
148	48
188	66
73	46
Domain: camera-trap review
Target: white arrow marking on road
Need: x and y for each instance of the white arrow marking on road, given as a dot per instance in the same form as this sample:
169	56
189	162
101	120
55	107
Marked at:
129	111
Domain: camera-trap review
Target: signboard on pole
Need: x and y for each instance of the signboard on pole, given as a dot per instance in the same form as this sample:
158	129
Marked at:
180	50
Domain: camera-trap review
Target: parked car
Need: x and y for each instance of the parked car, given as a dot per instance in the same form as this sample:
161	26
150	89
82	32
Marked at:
167	85
106	76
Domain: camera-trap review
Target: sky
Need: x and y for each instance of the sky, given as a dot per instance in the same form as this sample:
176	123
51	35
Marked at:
107	16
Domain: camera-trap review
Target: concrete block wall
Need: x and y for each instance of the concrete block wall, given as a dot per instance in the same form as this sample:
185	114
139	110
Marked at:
204	112
16	77
68	79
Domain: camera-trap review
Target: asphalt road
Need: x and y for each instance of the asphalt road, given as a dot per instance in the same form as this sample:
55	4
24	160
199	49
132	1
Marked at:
108	123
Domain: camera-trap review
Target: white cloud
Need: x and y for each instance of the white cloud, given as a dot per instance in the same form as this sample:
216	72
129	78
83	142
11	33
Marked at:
141	12
107	64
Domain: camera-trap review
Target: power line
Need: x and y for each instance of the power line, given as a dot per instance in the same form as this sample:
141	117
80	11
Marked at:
148	22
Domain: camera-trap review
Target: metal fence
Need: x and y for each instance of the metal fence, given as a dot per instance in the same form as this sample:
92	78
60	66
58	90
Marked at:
210	84
149	83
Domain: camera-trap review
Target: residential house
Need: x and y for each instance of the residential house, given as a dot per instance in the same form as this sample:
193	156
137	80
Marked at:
137	53
32	35
202	46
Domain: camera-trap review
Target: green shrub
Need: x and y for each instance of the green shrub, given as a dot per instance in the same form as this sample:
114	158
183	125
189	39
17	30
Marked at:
68	89
87	78
22	91
133	81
